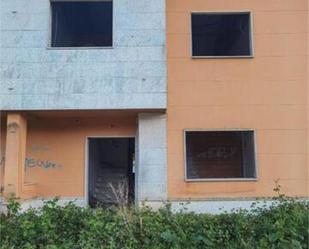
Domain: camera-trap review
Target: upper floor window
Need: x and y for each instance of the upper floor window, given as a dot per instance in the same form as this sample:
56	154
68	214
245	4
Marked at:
82	23
221	34
220	155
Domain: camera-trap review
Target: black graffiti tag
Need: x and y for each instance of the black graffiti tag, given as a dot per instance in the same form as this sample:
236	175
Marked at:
220	152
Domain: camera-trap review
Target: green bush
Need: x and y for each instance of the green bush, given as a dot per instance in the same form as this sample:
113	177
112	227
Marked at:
283	225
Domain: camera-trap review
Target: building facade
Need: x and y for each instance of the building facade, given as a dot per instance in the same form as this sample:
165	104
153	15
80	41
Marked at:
171	100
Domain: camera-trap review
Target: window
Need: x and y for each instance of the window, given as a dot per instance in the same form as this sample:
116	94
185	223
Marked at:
221	34
81	24
220	154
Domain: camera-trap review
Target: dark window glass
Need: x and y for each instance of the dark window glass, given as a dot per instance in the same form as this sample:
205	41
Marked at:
221	34
220	154
82	24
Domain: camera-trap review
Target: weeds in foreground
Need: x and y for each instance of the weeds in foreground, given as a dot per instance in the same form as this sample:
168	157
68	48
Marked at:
281	225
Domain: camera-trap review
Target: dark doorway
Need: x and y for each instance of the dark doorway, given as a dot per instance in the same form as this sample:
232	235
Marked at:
110	171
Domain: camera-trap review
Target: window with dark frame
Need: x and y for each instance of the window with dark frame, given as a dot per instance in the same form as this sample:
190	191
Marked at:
221	34
220	154
82	23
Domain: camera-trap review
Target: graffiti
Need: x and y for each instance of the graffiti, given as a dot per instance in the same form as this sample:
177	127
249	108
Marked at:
35	163
38	163
221	152
12	127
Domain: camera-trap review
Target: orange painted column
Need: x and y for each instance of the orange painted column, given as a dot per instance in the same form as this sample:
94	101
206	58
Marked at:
15	154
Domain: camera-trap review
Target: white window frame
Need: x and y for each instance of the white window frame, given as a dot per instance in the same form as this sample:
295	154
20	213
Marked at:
49	41
238	179
251	40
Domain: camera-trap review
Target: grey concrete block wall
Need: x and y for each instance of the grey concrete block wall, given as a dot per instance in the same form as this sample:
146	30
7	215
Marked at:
151	151
131	75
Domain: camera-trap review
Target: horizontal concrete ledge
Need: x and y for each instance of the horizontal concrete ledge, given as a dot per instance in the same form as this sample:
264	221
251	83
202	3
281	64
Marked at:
210	207
39	202
262	198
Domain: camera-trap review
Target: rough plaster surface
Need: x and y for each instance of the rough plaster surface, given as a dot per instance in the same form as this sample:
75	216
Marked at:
130	75
151	171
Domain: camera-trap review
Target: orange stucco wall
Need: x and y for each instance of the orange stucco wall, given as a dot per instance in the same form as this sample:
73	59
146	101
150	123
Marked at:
267	93
56	148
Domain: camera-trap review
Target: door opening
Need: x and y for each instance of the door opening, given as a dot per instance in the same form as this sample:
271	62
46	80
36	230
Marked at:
110	171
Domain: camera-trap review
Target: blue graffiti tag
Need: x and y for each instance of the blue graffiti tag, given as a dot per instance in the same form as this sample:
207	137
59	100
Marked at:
32	163
44	164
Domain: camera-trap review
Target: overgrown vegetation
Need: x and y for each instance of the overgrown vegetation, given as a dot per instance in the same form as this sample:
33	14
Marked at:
283	225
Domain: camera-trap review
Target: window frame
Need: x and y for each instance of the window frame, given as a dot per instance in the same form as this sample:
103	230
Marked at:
236	179
49	41
226	12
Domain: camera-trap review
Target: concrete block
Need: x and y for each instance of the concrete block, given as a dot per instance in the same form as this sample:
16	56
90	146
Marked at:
139	21
9	100
153	156
23	39
24	21
139	85
151	173
153	135
139	6
110	101
32	87
34	100
142	38
21	6
152	192
11	87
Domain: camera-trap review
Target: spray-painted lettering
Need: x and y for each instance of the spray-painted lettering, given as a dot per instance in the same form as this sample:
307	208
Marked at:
44	164
220	152
33	163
